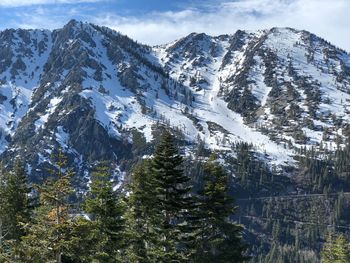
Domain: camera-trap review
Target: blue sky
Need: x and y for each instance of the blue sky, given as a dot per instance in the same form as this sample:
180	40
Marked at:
160	21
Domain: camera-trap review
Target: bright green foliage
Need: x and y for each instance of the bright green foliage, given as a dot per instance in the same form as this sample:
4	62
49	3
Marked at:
48	236
218	238
105	209
336	250
86	241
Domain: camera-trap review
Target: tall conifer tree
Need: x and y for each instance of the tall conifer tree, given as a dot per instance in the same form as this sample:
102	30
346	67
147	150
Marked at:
105	209
15	208
218	239
18	200
141	204
172	200
3	207
48	236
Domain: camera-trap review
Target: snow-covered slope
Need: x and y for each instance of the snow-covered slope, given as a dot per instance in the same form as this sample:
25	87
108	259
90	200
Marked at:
204	79
97	93
24	54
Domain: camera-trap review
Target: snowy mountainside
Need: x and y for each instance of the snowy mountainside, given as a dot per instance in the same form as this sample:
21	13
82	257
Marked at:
96	93
287	84
200	70
23	56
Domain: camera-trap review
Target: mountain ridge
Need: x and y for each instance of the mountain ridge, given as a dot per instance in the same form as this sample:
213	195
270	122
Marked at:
240	87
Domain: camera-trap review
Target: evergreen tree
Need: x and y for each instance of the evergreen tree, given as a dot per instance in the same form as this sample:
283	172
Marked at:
172	201
48	235
3	207
19	205
15	208
141	204
105	209
218	238
336	250
84	241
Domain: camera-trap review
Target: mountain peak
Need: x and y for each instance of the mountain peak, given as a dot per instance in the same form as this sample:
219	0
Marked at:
276	88
73	23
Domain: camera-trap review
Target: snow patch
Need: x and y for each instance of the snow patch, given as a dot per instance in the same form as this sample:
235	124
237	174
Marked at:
40	123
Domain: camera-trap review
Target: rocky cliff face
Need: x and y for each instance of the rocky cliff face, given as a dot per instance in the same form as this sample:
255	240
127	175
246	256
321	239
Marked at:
101	96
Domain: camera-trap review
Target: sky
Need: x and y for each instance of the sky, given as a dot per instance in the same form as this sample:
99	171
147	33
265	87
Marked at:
161	21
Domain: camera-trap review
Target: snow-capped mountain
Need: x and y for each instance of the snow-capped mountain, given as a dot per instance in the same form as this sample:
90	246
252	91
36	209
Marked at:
96	93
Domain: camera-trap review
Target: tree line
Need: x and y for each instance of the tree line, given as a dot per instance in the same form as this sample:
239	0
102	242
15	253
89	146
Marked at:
157	217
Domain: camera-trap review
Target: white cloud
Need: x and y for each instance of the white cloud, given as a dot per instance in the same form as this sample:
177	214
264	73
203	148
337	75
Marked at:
46	17
16	3
326	18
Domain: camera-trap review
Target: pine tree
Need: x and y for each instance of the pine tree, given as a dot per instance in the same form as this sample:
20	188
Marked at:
336	250
48	235
218	238
3	203
172	201
141	205
105	209
84	241
15	208
19	204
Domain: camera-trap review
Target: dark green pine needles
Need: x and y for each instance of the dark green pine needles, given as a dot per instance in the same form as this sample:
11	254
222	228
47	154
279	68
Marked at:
218	238
173	200
168	222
